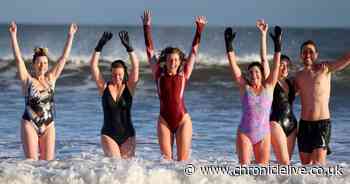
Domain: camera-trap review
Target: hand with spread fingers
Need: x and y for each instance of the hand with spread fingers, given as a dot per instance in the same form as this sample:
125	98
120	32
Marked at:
201	21
124	38
146	18
103	40
262	26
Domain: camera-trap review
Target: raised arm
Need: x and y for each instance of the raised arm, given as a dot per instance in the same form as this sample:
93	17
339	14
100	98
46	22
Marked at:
277	40
147	30
236	71
340	64
21	67
57	69
200	24
96	74
263	27
134	72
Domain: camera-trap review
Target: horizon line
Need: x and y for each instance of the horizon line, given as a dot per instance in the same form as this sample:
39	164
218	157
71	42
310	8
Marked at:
168	25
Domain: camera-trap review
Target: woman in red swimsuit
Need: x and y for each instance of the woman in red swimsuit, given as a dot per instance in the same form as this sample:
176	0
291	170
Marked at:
171	71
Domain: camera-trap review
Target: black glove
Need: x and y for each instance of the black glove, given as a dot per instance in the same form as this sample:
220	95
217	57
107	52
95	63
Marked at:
277	38
124	38
229	37
103	40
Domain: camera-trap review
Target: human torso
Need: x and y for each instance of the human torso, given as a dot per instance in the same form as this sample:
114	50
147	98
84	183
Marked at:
171	95
117	112
314	89
256	112
283	97
39	100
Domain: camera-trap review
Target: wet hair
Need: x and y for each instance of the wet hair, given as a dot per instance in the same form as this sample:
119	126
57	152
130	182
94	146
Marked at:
261	68
171	50
39	51
308	42
121	64
285	58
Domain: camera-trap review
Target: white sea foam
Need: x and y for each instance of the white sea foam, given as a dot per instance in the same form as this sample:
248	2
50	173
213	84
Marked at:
89	168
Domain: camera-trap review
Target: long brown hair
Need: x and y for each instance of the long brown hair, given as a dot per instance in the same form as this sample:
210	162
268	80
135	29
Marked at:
171	50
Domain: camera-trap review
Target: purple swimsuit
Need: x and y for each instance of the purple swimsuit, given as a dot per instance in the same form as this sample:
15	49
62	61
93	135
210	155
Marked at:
255	122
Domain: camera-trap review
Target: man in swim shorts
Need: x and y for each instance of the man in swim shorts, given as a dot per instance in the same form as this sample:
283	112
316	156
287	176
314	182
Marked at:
313	83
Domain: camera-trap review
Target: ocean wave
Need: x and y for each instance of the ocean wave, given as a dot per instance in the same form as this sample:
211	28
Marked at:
208	66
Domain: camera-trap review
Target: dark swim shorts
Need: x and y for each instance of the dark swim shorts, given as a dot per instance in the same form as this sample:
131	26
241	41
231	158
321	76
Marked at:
313	135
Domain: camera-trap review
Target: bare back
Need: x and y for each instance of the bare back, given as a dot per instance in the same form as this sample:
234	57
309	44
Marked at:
314	89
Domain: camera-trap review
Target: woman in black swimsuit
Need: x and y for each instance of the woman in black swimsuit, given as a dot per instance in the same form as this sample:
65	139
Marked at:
117	134
283	121
37	127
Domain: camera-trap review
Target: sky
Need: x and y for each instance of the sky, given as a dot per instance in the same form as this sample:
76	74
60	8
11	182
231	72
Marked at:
296	13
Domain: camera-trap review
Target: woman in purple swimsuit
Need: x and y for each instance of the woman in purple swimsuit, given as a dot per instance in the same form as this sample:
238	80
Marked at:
256	96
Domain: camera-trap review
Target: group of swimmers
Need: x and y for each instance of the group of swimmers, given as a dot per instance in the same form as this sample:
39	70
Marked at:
266	96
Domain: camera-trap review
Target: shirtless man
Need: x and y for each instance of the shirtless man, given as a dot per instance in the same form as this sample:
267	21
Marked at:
313	83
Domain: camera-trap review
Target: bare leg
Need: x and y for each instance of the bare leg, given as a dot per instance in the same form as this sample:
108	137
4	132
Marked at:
318	156
305	158
184	138
165	138
29	140
291	142
127	149
109	146
279	143
243	147
47	143
262	150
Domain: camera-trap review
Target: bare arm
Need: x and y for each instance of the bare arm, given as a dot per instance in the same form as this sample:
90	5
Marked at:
134	73
147	30
340	64
21	67
96	74
277	39
263	27
236	71
272	79
200	24
57	69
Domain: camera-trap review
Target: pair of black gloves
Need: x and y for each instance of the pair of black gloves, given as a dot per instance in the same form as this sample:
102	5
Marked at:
123	35
230	36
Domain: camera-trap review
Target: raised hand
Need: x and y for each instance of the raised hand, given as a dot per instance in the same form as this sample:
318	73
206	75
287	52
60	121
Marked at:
13	28
229	37
146	18
103	40
124	38
201	21
73	28
277	38
262	25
